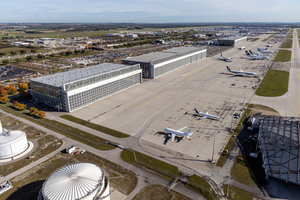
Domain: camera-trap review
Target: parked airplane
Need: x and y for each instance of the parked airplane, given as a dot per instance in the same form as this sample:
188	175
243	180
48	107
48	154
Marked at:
241	72
225	58
178	132
206	115
264	50
256	56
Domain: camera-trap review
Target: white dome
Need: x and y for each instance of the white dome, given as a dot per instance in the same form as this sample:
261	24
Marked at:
75	181
12	143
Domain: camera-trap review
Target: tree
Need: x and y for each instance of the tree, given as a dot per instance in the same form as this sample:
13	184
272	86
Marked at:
5	61
4	93
40	56
11	90
4	99
17	60
19	106
13	52
23	86
33	51
23	51
2	53
28	58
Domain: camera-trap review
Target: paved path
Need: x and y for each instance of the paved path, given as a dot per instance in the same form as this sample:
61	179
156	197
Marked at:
288	104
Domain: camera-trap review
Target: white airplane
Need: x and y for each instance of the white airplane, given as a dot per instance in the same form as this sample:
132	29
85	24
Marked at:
225	58
206	115
264	50
256	56
178	132
241	72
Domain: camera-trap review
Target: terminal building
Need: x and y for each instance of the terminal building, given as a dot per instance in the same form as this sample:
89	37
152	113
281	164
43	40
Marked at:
158	63
84	181
71	90
231	41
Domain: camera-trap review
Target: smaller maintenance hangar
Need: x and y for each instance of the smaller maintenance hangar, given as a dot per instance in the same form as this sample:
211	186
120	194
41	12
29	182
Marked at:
279	143
156	64
74	89
231	41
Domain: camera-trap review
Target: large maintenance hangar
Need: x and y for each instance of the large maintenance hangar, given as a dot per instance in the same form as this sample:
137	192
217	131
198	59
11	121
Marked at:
71	90
231	41
158	63
279	143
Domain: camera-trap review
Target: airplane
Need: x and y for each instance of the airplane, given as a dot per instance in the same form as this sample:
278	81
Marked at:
241	72
225	58
259	53
256	56
206	115
264	50
178	132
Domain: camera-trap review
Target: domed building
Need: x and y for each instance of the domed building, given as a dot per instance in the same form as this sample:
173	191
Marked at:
12	143
84	181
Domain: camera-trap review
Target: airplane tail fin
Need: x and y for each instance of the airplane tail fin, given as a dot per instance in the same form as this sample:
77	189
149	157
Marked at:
250	52
221	55
188	133
196	110
228	68
247	52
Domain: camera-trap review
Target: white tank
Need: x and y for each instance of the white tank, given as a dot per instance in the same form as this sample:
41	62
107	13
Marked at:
12	143
84	181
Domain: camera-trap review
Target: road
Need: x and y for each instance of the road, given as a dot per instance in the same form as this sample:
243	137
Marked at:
287	104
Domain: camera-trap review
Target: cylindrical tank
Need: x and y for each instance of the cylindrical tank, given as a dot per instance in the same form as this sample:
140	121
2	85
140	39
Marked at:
84	181
12	143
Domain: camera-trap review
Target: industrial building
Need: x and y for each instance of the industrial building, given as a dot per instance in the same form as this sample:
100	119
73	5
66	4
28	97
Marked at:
231	41
279	143
12	143
158	63
84	181
71	90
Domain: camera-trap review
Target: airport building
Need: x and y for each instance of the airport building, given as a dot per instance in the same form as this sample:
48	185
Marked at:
12	143
71	90
84	181
158	63
231	41
279	143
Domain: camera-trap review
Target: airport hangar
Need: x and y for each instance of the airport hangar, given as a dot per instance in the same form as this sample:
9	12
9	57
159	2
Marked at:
279	143
71	90
231	41
156	64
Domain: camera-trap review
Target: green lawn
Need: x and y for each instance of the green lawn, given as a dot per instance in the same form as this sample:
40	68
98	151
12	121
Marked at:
223	157
154	164
237	193
74	133
97	127
288	43
200	185
241	172
265	40
283	56
275	84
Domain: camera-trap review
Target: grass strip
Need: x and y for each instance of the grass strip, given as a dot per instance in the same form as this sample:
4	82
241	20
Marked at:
201	186
264	40
236	193
283	56
151	163
96	127
223	157
287	44
275	83
74	133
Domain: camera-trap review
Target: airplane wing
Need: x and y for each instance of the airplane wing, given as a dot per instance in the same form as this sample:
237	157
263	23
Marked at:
181	128
173	137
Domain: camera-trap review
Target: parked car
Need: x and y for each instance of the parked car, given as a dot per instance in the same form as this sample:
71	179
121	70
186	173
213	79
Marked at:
81	152
76	152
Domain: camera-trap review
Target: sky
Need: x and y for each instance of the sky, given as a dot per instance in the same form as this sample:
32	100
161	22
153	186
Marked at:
148	11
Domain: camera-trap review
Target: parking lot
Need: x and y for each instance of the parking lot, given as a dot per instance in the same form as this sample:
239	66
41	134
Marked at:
168	101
